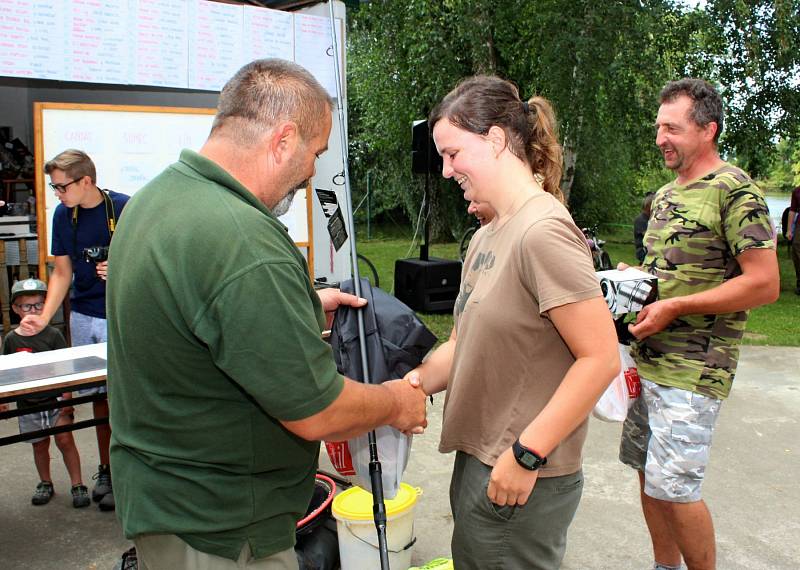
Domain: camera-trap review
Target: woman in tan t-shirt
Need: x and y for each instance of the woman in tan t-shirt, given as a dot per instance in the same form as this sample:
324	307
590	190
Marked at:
533	345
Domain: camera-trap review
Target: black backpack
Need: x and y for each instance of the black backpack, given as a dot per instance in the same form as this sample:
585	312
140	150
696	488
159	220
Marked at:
397	340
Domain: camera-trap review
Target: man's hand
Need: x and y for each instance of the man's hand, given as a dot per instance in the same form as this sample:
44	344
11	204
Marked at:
332	298
31	325
509	483
409	408
102	270
654	318
789	234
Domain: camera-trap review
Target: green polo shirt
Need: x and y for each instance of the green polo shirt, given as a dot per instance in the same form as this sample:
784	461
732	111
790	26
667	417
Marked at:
213	337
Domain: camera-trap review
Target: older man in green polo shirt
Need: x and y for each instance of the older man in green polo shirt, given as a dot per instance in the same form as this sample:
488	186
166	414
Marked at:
220	384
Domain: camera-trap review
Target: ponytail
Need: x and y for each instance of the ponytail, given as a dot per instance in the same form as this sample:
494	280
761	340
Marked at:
543	150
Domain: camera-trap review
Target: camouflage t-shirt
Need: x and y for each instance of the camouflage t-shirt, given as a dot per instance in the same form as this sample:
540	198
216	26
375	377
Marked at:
693	237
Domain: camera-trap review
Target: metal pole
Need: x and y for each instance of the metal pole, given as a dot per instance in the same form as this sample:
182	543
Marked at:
378	504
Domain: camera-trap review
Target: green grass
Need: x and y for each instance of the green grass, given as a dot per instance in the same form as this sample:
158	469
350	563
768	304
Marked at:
774	324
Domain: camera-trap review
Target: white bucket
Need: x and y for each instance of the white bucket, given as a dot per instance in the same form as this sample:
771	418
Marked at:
358	537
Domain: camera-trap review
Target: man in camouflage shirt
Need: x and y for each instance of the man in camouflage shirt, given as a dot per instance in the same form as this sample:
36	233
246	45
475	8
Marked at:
711	244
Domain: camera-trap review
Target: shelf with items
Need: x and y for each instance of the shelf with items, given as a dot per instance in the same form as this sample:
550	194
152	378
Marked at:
20	191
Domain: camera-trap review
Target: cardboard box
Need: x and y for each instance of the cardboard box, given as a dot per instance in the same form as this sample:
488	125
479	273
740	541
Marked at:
627	291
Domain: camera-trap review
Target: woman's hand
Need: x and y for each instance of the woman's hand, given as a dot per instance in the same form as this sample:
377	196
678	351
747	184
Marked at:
509	483
414	378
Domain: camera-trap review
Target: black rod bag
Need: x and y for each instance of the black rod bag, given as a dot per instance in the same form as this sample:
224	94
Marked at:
396	342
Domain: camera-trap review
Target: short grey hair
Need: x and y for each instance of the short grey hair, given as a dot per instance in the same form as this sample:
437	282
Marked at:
265	92
75	164
706	101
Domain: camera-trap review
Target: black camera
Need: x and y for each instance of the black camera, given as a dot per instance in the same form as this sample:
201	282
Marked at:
96	254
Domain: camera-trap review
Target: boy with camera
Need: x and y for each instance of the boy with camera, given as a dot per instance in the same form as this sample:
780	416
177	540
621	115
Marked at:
83	225
27	298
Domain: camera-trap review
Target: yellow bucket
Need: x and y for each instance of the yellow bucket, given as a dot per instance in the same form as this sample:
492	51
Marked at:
358	538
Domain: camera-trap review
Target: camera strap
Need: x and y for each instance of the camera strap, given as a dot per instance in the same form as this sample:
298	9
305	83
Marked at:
111	221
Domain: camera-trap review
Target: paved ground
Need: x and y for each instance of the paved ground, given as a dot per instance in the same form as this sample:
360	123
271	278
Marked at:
750	490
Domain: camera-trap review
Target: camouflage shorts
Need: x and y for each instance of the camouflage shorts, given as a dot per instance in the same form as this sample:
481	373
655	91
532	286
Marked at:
667	435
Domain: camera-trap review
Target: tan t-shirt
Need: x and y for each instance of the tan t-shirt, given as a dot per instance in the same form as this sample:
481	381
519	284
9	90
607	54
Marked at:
509	358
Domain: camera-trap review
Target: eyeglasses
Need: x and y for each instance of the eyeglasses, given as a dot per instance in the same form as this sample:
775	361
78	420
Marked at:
28	307
62	188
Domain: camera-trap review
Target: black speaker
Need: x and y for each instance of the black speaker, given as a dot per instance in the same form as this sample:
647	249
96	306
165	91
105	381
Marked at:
424	158
428	285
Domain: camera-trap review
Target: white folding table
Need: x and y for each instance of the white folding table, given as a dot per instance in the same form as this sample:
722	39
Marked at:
26	374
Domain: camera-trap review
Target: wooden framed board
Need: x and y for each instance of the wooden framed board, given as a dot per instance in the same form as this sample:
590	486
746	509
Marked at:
130	145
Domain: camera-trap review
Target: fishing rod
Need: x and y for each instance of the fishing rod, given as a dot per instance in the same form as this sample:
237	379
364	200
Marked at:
375	471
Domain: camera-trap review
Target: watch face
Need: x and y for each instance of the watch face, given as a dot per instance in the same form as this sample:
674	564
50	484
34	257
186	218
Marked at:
528	460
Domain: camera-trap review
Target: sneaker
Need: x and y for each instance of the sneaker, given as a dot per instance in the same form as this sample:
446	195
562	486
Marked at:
103	485
80	496
107	502
44	492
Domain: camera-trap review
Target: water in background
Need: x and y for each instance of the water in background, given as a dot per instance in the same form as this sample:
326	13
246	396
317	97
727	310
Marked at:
777	204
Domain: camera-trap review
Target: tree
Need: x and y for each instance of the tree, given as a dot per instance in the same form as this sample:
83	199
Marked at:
784	172
602	64
397	73
754	46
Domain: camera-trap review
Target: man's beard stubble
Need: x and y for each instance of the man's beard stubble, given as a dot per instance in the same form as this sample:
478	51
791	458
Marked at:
285	203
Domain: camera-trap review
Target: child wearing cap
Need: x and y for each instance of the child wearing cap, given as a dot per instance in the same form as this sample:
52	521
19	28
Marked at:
27	298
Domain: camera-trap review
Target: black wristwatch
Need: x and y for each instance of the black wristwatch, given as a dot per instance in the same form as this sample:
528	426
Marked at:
527	458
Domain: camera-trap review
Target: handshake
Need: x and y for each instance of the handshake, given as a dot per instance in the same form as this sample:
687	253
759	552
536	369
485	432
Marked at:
409	414
363	407
399	408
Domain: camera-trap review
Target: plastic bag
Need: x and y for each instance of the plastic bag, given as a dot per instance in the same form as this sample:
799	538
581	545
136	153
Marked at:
351	458
613	405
